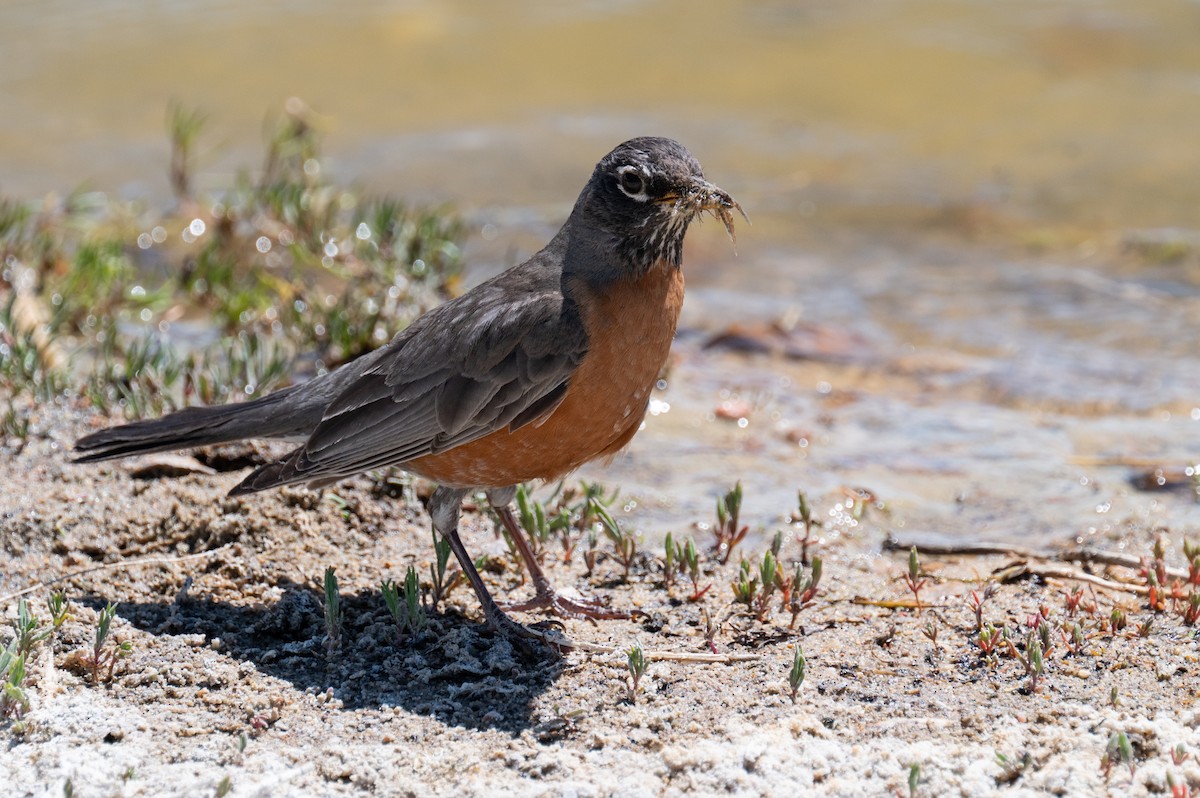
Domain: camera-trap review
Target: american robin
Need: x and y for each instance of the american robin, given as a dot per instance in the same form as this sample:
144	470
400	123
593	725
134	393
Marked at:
527	376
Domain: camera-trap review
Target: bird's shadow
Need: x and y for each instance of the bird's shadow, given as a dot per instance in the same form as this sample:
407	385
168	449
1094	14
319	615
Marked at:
454	669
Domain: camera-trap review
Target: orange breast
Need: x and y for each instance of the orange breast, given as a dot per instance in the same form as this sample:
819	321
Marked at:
630	327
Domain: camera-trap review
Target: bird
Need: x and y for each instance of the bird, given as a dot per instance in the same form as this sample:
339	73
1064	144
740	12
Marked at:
527	376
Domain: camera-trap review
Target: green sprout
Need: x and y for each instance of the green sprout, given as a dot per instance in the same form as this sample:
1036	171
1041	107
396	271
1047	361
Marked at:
672	557
691	562
1118	751
1035	665
727	530
914	779
745	587
14	701
404	603
804	517
27	632
59	607
333	611
1117	620
802	590
443	580
912	578
635	662
532	516
624	542
797	673
105	657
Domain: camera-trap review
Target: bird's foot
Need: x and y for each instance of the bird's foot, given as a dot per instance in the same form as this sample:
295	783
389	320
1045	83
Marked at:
549	600
523	637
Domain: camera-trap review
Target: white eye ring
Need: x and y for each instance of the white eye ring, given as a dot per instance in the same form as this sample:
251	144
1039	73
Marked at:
633	182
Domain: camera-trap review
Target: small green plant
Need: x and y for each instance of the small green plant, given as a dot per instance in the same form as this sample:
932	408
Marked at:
803	516
343	506
802	590
1075	640
912	579
1179	754
989	638
14	701
770	577
745	587
1156	597
797	673
755	586
1035	665
914	779
777	545
930	630
1117	620
25	366
570	514
1044	636
1191	553
624	542
60	608
691	563
14	425
1118	751
224	786
976	601
727	530
635	663
591	553
672	561
1191	611
578	513
333	611
444	581
404	603
1145	627
183	128
1072	600
1012	769
533	519
712	627
27	632
104	657
1033	659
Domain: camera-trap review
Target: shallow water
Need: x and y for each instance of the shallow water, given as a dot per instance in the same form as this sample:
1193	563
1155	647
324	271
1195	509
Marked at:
898	159
1011	405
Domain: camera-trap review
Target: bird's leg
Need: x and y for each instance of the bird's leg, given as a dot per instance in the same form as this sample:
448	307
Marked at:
546	597
444	508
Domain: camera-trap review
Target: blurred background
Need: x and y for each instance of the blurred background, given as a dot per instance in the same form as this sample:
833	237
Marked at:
1073	112
972	270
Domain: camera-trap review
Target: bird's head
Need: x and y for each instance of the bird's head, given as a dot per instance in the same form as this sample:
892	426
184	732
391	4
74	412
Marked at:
641	198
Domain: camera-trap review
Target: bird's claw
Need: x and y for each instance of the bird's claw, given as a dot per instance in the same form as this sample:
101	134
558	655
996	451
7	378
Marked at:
548	600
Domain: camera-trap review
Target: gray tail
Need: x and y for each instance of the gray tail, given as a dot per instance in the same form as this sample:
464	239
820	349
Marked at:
272	416
272	475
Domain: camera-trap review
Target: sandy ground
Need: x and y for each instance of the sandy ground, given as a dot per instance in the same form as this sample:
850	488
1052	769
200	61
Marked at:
230	688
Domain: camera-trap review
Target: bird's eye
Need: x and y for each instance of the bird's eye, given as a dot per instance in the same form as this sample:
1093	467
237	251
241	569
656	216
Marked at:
633	183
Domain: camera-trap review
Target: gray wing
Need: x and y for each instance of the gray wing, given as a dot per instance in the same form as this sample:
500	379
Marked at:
499	356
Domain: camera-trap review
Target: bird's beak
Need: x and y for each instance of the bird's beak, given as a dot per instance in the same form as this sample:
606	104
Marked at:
700	196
